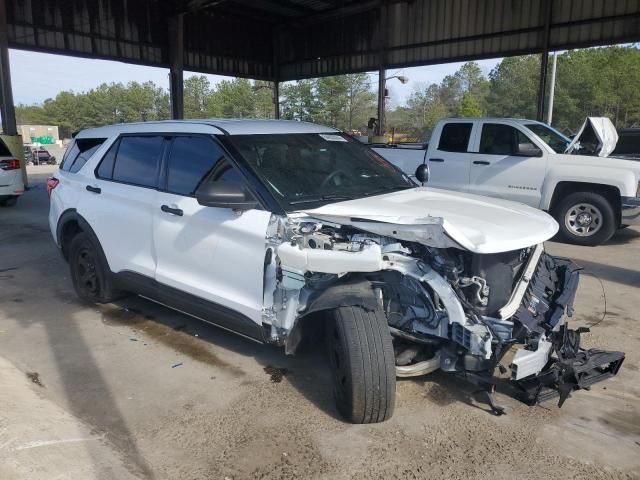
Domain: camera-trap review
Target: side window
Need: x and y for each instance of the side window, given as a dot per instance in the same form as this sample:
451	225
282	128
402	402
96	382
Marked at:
455	137
137	160
190	160
499	139
105	169
86	148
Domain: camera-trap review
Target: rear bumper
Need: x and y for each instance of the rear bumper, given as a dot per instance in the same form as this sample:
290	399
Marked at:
630	213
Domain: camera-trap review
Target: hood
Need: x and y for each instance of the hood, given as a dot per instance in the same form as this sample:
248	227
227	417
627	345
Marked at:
598	136
441	218
589	160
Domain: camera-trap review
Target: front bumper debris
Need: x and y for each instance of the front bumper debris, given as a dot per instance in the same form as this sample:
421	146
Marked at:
574	368
569	367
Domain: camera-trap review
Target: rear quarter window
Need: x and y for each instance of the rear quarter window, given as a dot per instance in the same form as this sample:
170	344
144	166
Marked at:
4	150
79	152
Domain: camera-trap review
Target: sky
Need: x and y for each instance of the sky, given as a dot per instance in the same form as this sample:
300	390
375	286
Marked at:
38	76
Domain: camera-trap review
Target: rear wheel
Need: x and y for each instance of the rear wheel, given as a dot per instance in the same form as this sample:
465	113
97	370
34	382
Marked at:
89	273
585	218
363	364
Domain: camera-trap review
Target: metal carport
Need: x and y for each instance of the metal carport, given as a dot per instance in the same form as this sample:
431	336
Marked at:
281	40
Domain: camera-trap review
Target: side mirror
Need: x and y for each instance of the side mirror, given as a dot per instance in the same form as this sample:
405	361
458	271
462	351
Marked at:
423	173
528	150
225	195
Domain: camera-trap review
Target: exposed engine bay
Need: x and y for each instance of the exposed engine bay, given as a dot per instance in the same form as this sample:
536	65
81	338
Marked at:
447	308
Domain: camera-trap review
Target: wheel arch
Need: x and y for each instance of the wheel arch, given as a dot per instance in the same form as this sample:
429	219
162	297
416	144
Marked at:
354	291
70	224
610	192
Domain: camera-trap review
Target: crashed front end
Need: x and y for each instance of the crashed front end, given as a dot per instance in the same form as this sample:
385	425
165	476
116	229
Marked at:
479	315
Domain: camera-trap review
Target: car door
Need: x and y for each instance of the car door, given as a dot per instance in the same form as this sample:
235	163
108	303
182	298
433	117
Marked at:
507	164
215	254
449	159
119	202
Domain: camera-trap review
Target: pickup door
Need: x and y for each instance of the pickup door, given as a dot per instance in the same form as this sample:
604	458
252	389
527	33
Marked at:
448	156
507	163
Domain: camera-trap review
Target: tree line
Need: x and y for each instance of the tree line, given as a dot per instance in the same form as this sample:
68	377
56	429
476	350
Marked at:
590	82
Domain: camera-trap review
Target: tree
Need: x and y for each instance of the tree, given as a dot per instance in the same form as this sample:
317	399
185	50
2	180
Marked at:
197	90
469	106
298	101
231	99
513	87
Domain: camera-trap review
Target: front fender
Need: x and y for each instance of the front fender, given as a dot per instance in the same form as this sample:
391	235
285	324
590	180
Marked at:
350	292
624	181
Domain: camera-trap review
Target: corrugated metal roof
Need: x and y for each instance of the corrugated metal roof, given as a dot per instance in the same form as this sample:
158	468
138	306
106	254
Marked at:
309	38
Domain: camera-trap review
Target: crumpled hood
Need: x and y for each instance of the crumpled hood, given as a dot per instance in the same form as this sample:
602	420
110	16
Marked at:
441	218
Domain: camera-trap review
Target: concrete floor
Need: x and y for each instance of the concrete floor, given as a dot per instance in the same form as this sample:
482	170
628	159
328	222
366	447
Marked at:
135	390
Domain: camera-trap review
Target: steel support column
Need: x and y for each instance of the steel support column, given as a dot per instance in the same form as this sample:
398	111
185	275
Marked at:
176	66
382	70
7	109
544	60
276	99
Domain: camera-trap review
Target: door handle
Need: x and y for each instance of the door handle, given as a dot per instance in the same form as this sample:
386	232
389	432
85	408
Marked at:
440	160
481	162
93	189
172	211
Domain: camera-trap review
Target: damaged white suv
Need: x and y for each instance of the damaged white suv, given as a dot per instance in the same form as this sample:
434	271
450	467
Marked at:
284	231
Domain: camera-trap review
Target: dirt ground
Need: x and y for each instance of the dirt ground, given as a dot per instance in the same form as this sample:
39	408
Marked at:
135	390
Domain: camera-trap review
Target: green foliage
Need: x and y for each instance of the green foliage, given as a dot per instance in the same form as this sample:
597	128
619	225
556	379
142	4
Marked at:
346	101
469	106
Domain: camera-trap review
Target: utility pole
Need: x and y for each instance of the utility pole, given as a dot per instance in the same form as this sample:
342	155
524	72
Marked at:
552	88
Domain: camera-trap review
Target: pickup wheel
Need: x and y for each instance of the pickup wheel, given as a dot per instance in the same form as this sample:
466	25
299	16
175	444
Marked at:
585	218
363	364
90	275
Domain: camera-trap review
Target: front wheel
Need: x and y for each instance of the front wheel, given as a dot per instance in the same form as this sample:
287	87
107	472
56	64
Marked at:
363	364
89	273
585	218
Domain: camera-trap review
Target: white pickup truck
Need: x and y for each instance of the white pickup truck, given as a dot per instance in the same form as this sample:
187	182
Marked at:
525	160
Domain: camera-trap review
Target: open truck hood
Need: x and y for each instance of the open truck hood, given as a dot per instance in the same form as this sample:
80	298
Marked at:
441	218
598	132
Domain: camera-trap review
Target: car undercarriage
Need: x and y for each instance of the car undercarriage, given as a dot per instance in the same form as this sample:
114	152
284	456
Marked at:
477	315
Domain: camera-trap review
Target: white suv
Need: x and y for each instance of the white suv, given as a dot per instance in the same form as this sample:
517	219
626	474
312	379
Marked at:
11	183
283	231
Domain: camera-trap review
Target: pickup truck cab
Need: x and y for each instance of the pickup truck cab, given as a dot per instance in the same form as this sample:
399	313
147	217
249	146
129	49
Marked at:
524	160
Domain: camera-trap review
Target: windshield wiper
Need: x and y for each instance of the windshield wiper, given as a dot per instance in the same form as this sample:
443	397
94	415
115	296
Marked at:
320	199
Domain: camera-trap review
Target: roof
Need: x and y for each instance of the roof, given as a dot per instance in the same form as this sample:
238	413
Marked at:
209	126
291	39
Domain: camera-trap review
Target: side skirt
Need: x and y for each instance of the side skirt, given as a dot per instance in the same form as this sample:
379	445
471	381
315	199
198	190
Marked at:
196	307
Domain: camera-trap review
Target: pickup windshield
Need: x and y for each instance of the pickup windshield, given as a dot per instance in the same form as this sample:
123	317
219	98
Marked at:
550	136
307	170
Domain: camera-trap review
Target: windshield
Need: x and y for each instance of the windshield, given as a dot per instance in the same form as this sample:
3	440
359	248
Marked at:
550	136
307	170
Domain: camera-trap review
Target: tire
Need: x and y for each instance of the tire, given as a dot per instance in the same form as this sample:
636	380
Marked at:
9	202
90	274
585	218
363	364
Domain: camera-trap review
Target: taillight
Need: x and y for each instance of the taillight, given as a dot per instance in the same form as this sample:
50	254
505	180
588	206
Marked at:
11	164
52	182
